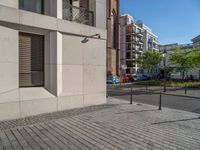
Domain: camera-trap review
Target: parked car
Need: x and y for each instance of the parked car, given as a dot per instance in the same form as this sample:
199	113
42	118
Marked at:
145	77
128	78
113	79
140	77
137	77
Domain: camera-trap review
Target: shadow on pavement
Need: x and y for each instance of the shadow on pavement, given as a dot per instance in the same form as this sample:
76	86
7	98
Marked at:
172	121
127	112
196	110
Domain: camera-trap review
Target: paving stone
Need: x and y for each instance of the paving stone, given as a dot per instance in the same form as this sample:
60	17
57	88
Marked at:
5	141
65	144
10	124
13	141
45	139
115	126
29	140
68	139
80	139
36	138
21	140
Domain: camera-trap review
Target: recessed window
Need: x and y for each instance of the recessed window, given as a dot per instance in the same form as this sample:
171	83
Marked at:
31	60
36	6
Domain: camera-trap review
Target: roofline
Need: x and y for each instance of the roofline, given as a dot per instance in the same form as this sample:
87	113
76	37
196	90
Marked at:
195	38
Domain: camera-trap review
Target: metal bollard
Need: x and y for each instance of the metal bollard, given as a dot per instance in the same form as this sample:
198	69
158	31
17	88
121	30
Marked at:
185	90
131	100
160	102
146	86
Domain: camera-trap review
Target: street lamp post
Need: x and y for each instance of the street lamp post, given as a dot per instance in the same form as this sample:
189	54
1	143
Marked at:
164	65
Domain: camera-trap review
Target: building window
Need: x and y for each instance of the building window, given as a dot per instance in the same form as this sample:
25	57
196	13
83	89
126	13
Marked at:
36	6
128	55
31	60
128	71
78	11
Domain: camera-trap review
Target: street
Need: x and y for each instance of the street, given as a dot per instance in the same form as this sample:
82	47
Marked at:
140	95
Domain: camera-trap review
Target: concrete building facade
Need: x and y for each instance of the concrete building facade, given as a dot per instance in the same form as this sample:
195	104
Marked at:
196	41
52	56
131	44
150	39
113	33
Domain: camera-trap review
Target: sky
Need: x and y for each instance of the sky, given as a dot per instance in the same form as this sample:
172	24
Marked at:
174	21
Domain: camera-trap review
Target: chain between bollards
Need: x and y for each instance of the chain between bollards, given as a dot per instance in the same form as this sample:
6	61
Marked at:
160	101
131	100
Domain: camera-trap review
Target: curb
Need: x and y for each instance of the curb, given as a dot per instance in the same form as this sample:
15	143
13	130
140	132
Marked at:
188	96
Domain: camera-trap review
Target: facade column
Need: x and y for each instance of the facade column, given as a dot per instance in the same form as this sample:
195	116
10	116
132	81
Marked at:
53	51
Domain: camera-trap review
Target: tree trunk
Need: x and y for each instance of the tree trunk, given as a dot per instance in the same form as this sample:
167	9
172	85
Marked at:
151	73
183	75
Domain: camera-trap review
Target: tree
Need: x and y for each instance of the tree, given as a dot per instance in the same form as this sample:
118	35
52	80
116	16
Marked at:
182	61
149	60
196	58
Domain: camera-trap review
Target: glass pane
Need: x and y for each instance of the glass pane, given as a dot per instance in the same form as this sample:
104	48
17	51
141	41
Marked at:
32	5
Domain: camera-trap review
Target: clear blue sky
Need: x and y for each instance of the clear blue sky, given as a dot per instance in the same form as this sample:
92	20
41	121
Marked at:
174	21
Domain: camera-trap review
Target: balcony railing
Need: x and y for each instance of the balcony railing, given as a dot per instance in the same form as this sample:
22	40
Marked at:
78	14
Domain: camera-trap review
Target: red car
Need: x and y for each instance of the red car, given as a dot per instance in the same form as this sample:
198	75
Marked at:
128	78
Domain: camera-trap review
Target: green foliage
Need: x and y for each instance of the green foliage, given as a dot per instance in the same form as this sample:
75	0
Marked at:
195	54
182	60
149	60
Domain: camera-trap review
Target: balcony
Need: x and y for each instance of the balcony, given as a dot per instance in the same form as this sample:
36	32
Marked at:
139	34
73	10
78	15
139	42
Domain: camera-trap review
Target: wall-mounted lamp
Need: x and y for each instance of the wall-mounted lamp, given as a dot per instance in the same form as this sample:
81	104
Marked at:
86	39
96	35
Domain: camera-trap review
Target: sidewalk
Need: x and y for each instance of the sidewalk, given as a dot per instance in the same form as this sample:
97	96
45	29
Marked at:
117	125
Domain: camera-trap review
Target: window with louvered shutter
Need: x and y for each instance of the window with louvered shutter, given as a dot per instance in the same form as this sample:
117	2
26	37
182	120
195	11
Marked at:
31	60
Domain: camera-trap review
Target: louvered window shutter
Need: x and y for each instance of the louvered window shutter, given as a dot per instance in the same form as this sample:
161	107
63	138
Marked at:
31	60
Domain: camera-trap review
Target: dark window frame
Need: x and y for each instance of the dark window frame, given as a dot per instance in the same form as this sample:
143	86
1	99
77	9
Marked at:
43	47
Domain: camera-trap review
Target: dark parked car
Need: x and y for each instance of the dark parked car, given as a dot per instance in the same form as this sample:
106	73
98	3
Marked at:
145	77
140	77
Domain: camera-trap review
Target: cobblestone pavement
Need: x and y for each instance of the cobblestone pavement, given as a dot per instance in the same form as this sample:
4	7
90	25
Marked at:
118	125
